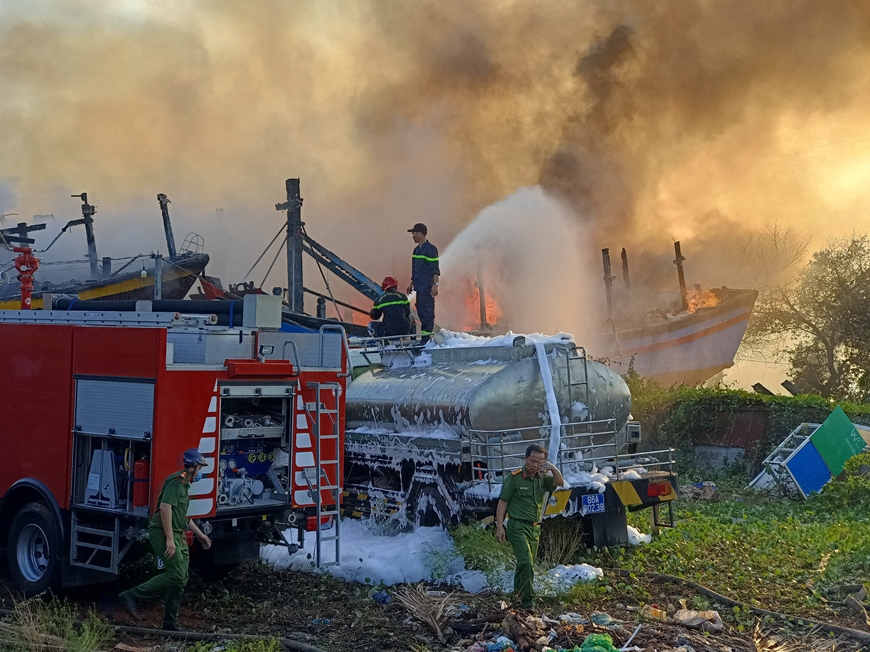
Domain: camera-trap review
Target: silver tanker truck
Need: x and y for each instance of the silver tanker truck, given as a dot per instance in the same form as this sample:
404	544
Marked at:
430	434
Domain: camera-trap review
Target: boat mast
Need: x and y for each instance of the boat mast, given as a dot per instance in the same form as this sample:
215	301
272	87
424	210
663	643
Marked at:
484	326
626	279
164	202
608	282
88	220
293	206
682	277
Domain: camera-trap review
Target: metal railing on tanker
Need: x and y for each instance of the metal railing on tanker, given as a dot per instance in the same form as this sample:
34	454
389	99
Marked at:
494	453
401	345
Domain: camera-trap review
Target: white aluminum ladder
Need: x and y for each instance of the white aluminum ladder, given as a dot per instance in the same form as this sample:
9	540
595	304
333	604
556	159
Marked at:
317	477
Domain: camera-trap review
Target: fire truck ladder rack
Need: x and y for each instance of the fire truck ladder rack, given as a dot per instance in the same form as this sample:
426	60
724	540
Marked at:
153	319
317	478
88	541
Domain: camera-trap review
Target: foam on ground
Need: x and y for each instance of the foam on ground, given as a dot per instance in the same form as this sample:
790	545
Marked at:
368	557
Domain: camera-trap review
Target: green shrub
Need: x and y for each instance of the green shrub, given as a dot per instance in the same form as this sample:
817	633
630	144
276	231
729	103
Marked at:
40	625
681	417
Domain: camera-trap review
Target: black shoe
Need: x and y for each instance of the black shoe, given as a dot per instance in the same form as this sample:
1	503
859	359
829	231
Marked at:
171	627
128	604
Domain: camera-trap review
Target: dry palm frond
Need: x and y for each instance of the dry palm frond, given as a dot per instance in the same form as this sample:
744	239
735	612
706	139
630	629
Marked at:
771	642
432	610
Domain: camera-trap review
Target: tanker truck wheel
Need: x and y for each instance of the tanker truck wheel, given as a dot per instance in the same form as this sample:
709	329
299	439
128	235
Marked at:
33	549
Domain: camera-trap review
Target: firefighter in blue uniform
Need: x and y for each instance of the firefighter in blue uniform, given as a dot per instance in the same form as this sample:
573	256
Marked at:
424	279
395	309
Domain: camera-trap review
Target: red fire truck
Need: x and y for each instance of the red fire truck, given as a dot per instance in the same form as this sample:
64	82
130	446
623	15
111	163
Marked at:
97	408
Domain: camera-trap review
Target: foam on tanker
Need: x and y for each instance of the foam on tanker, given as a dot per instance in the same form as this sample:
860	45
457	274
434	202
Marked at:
456	340
555	443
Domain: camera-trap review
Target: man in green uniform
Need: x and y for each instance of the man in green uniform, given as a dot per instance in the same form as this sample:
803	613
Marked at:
522	499
167	538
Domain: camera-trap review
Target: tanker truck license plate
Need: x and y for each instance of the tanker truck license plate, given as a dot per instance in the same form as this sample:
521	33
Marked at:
592	504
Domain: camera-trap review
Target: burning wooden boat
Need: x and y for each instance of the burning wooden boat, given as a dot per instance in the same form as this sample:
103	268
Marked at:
136	279
689	345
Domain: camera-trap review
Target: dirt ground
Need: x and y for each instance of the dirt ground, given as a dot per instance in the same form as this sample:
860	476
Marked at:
340	617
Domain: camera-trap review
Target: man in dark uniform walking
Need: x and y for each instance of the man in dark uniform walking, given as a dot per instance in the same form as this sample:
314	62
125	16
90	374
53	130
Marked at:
522	499
166	533
424	279
395	308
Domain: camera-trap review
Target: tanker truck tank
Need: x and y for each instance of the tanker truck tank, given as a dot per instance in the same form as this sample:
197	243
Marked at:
430	434
483	389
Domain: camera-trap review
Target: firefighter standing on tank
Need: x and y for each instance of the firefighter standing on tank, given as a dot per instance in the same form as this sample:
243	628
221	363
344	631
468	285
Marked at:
166	534
424	279
395	309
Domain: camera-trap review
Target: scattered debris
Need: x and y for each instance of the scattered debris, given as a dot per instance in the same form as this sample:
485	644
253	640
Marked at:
381	597
706	491
653	611
707	621
435	611
597	643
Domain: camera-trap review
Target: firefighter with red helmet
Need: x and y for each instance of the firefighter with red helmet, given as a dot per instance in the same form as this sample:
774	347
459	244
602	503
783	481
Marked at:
166	534
394	308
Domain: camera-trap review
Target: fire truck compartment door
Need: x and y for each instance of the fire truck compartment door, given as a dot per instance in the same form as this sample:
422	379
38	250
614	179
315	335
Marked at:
284	389
114	407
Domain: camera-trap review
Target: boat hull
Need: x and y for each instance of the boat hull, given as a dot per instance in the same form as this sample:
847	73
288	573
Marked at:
688	349
178	278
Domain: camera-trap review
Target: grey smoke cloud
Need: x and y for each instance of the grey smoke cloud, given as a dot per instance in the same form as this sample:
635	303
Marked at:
679	119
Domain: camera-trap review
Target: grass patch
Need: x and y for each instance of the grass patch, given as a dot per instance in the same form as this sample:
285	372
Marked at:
479	550
262	645
764	551
560	542
38	625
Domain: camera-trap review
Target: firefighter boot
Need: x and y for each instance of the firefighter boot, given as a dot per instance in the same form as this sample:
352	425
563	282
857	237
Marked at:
171	626
128	604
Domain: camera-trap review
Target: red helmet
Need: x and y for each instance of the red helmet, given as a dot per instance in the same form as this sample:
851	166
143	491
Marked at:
389	282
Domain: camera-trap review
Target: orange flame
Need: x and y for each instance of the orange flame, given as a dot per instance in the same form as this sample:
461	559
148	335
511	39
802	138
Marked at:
472	305
697	299
359	319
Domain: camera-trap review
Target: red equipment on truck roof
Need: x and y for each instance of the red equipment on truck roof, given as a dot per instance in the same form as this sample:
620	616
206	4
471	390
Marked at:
98	408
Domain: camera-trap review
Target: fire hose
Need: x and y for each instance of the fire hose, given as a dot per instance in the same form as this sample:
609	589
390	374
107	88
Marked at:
710	593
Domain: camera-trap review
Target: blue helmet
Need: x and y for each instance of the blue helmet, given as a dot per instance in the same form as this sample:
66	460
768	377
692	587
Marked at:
192	457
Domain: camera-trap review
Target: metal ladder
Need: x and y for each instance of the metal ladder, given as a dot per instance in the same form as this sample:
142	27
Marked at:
577	356
99	546
578	359
317	478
